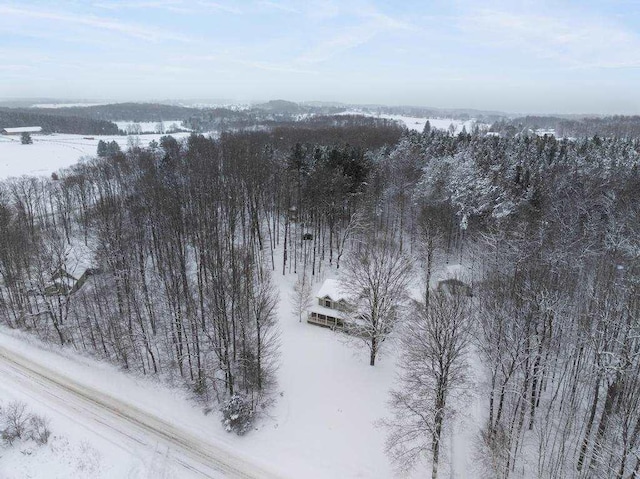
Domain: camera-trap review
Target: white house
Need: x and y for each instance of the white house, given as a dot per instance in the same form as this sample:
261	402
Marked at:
330	306
21	130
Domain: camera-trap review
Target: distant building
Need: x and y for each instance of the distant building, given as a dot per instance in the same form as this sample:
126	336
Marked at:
63	283
330	306
454	286
21	130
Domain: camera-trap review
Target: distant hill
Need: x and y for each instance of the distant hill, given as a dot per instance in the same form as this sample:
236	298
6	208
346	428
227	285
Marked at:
136	112
281	106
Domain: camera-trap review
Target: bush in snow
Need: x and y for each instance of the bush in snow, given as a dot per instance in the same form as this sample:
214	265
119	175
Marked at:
39	429
15	422
237	414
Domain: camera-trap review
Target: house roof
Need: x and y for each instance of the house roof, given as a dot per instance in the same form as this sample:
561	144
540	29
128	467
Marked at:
332	289
23	129
334	313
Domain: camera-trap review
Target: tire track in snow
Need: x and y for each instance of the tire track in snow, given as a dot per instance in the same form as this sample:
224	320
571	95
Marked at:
205	460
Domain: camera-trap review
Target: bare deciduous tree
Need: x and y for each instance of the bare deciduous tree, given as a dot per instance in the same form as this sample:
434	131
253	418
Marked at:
301	298
433	368
376	278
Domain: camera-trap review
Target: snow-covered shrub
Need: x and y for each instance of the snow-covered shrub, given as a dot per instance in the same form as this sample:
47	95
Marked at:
15	422
39	429
237	414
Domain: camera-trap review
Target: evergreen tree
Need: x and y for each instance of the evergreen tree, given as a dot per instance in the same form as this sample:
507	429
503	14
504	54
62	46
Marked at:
26	139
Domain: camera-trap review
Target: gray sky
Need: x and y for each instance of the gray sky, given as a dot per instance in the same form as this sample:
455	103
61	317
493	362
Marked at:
561	56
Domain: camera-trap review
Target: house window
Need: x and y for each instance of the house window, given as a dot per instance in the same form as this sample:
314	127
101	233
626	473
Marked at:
327	303
322	316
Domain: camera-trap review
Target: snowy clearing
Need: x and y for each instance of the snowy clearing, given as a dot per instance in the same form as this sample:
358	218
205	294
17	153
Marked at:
417	123
49	153
66	105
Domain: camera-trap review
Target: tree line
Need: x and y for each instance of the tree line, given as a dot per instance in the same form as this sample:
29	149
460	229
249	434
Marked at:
56	123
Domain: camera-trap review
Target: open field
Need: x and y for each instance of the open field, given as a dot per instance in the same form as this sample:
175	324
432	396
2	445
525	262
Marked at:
48	153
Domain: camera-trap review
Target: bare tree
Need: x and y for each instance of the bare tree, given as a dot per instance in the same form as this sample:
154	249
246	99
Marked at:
433	368
301	297
376	278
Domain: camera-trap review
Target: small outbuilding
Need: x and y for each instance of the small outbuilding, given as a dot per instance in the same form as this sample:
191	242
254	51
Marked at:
20	130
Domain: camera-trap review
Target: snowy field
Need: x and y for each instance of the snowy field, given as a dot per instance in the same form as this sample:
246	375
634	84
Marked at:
49	153
65	105
417	123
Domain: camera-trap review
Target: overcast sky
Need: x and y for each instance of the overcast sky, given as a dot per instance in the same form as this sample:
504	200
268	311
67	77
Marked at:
531	56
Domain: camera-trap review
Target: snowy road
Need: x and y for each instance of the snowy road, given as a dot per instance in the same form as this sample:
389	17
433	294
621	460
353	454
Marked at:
122	423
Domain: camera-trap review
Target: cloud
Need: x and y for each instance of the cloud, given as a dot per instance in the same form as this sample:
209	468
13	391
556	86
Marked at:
228	58
112	25
570	40
175	6
216	6
278	6
172	6
369	23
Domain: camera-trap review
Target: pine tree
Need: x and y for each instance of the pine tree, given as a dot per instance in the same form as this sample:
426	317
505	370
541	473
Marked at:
26	139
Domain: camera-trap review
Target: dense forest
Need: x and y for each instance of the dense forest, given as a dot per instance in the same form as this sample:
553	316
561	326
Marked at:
54	122
162	260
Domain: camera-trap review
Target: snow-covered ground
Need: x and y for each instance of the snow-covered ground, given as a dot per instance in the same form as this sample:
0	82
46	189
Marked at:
323	425
414	123
112	415
49	153
65	105
417	123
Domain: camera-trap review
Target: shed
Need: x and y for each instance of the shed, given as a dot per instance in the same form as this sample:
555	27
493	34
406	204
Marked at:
20	130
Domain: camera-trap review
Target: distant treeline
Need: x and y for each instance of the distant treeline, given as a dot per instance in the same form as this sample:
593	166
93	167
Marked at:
617	126
137	112
12	118
197	119
354	130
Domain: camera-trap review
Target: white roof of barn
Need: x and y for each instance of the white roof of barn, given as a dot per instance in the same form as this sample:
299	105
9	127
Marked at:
332	289
23	129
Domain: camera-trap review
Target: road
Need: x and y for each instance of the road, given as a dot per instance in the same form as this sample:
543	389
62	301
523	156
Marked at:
122	422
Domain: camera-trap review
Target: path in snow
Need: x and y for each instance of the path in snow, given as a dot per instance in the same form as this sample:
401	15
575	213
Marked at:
122	422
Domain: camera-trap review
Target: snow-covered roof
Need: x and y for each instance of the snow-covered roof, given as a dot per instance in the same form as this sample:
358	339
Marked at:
334	313
332	289
23	129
